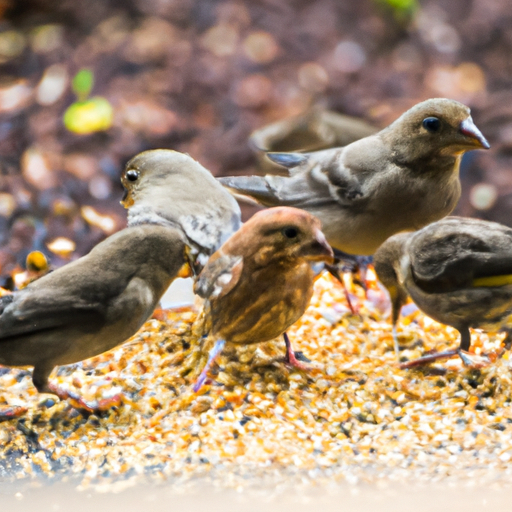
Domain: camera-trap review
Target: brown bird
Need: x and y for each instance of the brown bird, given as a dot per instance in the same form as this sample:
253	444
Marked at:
312	130
458	271
400	179
260	281
90	305
169	188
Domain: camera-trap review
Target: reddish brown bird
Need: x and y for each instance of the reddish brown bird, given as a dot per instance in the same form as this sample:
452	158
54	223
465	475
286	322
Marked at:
260	281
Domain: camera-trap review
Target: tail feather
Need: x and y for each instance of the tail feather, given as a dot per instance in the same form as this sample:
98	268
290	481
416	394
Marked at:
256	187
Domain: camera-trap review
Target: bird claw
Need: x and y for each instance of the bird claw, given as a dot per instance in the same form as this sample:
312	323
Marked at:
10	412
448	354
469	360
298	360
472	360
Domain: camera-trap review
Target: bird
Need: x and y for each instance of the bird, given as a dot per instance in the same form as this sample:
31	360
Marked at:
458	271
261	280
400	179
168	188
90	305
314	129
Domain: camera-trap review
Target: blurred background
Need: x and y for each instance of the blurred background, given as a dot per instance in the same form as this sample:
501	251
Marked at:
84	86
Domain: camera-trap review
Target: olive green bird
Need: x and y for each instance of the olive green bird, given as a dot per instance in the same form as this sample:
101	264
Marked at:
458	271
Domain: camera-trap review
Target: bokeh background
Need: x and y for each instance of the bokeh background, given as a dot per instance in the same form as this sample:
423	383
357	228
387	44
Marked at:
200	75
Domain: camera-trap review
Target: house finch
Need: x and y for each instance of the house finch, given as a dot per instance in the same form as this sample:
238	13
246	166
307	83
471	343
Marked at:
458	271
260	281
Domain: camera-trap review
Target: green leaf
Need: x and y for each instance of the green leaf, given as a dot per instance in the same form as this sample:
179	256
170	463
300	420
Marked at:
403	10
84	117
82	83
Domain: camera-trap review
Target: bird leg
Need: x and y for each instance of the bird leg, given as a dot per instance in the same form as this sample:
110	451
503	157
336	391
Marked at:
462	352
214	353
395	343
10	412
333	270
40	380
79	403
292	358
447	354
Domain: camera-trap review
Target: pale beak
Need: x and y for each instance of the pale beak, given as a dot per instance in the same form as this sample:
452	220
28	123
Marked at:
320	250
469	129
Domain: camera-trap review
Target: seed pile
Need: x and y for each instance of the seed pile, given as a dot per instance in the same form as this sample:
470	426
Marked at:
355	417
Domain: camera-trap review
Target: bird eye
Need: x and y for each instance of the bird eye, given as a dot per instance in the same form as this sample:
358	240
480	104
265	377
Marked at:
132	175
290	232
431	124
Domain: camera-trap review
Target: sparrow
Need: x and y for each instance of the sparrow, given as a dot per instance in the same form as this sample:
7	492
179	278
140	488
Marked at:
458	271
312	130
260	281
168	188
399	179
90	305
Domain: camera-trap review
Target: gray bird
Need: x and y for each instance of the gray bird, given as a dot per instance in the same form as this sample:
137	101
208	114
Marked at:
179	215
169	188
92	304
312	130
400	179
458	271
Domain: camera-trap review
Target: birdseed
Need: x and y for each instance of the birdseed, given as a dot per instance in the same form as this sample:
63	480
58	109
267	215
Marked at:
356	417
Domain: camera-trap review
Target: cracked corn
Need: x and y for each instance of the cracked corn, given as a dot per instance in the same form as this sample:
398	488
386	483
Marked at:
355	417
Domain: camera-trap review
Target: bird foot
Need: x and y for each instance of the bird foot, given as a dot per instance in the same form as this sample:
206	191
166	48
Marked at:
89	406
448	354
472	360
10	412
469	360
298	360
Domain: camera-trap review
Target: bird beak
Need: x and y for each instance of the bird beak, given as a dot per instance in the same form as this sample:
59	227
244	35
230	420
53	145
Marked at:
127	199
320	250
469	129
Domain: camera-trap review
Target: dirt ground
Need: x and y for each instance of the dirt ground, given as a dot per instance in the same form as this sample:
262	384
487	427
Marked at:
199	76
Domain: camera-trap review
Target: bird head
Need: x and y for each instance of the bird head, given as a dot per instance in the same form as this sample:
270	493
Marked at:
285	233
387	261
170	188
437	126
149	169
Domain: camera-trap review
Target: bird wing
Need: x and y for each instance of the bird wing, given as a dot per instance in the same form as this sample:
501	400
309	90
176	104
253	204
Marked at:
219	276
28	314
316	179
461	253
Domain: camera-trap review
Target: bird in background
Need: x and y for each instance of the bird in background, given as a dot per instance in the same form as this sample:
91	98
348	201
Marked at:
89	306
168	188
314	129
399	179
260	281
458	271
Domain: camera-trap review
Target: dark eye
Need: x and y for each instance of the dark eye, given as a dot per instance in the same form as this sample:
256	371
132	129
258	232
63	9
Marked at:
290	232
431	124
132	175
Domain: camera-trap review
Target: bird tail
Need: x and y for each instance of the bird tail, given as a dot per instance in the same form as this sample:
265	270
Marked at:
256	187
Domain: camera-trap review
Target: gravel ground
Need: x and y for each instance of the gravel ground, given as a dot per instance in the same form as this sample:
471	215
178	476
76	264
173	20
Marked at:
355	419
